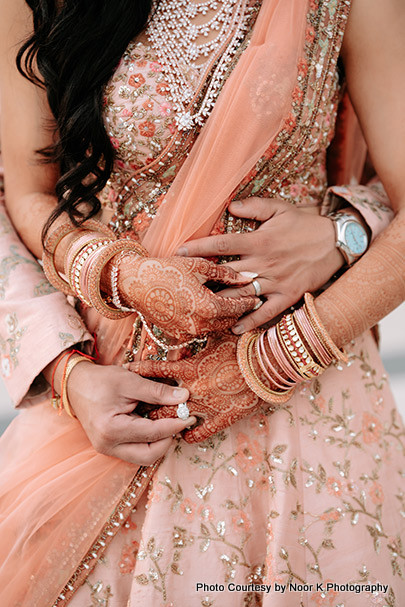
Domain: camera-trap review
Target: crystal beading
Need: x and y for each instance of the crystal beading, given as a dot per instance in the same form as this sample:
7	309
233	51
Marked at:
173	35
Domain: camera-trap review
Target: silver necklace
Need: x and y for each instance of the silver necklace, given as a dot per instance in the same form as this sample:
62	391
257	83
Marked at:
173	36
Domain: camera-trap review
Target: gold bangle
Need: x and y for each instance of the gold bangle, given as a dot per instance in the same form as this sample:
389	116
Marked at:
320	330
70	365
94	279
307	370
52	242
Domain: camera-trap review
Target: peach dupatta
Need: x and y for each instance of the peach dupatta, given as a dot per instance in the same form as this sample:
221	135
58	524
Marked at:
61	502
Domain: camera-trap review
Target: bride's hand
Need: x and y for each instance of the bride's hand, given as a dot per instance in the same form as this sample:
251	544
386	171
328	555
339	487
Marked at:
170	294
104	399
219	395
292	252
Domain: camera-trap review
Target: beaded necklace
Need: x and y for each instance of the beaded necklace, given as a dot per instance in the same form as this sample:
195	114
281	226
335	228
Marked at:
173	35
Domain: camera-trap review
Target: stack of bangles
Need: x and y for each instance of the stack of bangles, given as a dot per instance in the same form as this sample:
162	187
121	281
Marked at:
297	349
84	262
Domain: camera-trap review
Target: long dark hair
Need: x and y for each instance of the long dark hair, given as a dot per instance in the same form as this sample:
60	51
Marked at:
73	52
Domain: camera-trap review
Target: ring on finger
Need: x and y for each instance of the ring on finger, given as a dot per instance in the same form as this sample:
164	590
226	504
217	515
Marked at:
183	411
257	287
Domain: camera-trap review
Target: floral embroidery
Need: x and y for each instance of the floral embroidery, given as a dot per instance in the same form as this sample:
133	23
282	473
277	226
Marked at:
10	346
249	452
371	428
128	557
11	262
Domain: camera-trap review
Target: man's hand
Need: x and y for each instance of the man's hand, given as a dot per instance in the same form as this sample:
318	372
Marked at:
292	252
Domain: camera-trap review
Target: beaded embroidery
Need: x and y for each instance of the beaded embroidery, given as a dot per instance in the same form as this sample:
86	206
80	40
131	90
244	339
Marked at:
127	504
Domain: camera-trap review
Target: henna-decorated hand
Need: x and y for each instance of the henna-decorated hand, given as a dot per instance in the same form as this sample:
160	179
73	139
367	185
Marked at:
218	392
170	293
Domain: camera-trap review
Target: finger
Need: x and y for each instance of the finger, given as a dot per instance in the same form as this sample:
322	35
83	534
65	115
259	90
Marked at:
249	265
246	291
223	244
260	209
155	393
223	273
228	307
271	308
142	454
266	285
136	429
163	413
207	429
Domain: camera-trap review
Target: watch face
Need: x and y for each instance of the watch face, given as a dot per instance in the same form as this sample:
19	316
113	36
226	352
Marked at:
356	238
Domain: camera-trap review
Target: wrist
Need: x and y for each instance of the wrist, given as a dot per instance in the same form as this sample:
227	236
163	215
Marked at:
54	370
351	237
335	258
72	383
124	266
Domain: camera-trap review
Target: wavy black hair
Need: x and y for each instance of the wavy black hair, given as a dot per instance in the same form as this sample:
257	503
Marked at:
75	47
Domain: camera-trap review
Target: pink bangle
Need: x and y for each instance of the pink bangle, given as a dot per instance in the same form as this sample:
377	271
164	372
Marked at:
245	363
275	377
94	275
320	330
279	355
76	246
55	238
296	350
79	265
314	342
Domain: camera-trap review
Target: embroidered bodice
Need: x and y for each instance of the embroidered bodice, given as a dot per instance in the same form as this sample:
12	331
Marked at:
141	122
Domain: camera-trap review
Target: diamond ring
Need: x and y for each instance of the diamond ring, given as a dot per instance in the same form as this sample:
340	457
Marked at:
183	411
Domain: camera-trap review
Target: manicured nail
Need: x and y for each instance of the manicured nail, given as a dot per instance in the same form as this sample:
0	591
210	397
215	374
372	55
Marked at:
237	203
238	329
180	393
250	275
182	252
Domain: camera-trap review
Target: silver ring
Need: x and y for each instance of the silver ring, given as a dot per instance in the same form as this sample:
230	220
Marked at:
257	287
183	411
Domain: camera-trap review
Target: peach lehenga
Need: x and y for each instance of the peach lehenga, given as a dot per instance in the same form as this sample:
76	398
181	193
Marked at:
310	494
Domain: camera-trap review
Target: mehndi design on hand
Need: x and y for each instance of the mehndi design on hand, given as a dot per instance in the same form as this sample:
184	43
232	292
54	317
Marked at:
218	392
170	294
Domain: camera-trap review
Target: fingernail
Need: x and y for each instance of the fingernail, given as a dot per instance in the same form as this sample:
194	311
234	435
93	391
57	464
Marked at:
238	329
237	203
191	421
251	275
180	393
182	252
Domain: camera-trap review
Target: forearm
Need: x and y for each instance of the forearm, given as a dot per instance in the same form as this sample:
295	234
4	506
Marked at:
370	289
29	214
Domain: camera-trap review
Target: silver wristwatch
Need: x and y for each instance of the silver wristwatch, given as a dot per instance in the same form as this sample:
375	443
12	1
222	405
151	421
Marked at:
351	237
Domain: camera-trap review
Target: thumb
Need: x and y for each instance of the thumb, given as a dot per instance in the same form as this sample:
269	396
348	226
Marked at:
260	209
154	392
